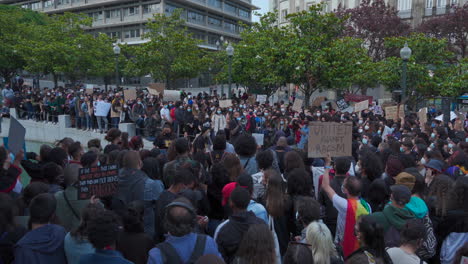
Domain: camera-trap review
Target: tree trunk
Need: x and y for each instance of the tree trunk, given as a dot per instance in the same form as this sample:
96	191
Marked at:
55	76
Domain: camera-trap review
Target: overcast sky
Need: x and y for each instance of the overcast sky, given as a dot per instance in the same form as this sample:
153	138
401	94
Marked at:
263	4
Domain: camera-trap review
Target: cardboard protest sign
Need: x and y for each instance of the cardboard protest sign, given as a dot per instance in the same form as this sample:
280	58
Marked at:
384	100
363	105
159	87
401	112
16	136
341	104
258	138
225	103
391	112
422	115
89	91
330	138
171	95
130	94
252	99
99	181
261	98
297	106
318	100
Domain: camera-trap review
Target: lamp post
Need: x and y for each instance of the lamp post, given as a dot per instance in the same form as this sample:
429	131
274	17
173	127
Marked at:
230	53
405	54
117	53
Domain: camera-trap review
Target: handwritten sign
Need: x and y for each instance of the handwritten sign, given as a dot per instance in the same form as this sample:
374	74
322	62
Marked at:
358	107
258	138
130	94
383	101
158	87
252	99
342	105
297	106
317	101
99	181
333	138
391	112
422	115
89	90
261	98
225	103
171	95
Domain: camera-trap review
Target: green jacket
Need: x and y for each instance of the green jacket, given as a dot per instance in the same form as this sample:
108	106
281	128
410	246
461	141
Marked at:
392	216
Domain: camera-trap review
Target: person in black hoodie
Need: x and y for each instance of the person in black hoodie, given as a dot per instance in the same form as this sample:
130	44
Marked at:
10	233
229	234
45	242
33	163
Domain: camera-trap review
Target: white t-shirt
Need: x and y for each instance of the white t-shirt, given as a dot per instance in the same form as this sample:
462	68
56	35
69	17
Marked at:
341	205
400	256
165	113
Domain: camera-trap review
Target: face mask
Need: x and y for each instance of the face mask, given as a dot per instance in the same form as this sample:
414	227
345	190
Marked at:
238	119
364	141
366	127
181	107
139	103
170	105
357	169
59	94
266	114
318	114
466	139
432	145
360	121
360	130
423	161
379	132
165	106
82	98
433	125
282	123
219	112
282	110
230	109
99	163
207	116
48	94
402	149
125	106
433	135
189	110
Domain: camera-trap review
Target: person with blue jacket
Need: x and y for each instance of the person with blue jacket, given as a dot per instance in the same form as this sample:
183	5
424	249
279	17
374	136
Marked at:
45	242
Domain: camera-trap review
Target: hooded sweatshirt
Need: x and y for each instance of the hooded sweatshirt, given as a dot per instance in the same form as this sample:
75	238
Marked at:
393	216
42	245
417	206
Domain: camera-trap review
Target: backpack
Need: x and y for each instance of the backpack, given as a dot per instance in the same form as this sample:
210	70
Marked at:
169	254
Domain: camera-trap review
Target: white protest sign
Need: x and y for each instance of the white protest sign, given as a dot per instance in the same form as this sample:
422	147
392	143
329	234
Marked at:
258	138
261	98
171	95
225	103
297	106
330	138
358	107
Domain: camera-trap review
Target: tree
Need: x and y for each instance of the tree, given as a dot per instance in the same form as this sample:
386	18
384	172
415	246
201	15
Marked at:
373	21
13	23
452	26
171	52
318	56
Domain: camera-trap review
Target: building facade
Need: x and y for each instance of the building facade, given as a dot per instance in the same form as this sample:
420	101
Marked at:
413	11
208	20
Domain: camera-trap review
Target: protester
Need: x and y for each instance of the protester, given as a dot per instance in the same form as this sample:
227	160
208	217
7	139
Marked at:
257	246
321	241
10	232
412	236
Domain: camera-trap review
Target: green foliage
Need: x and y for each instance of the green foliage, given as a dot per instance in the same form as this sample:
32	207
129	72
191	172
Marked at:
171	52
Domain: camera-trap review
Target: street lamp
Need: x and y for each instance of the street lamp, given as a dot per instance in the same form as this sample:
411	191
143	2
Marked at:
117	53
405	54
230	53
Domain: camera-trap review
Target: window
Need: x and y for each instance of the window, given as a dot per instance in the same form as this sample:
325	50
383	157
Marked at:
63	2
284	14
212	39
429	3
170	8
195	17
96	15
214	22
114	13
230	8
48	3
404	5
198	35
133	33
244	13
115	34
214	3
229	26
131	11
25	6
151	8
441	3
36	5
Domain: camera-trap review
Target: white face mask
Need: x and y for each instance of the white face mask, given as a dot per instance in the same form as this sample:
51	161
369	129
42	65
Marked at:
423	171
423	161
357	169
366	127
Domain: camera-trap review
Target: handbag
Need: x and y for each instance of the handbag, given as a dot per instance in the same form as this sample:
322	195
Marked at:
271	226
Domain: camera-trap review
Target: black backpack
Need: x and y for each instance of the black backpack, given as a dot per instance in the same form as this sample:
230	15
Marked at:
169	254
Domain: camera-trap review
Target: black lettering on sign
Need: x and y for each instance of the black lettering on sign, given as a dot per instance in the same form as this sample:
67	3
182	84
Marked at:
99	181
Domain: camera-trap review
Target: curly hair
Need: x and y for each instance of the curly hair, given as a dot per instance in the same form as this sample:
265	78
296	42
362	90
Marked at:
371	165
299	182
245	145
103	230
88	213
257	245
440	189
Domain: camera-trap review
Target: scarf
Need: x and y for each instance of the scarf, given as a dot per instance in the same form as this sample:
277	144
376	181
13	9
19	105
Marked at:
355	209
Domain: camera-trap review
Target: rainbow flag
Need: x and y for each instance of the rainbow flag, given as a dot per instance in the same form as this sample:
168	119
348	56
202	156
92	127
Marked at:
355	209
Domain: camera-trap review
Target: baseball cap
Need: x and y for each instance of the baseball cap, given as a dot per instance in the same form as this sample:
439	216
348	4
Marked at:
401	194
406	179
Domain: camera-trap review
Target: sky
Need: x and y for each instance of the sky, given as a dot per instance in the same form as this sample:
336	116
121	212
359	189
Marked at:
263	4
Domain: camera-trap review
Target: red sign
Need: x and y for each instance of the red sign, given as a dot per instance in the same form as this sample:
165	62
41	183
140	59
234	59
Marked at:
358	98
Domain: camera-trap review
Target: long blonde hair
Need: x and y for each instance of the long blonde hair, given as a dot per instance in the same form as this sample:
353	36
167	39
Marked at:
320	238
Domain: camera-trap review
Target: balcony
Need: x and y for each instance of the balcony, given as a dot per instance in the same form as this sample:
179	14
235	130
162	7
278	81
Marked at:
428	12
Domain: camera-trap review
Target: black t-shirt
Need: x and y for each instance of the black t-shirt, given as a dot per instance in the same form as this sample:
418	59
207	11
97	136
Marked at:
8	239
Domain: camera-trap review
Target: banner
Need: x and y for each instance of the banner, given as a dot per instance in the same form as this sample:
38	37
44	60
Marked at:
225	103
130	94
16	135
330	138
261	98
171	95
158	87
422	115
99	181
358	107
297	106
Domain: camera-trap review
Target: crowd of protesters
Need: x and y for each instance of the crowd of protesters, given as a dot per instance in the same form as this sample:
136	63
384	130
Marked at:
207	192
